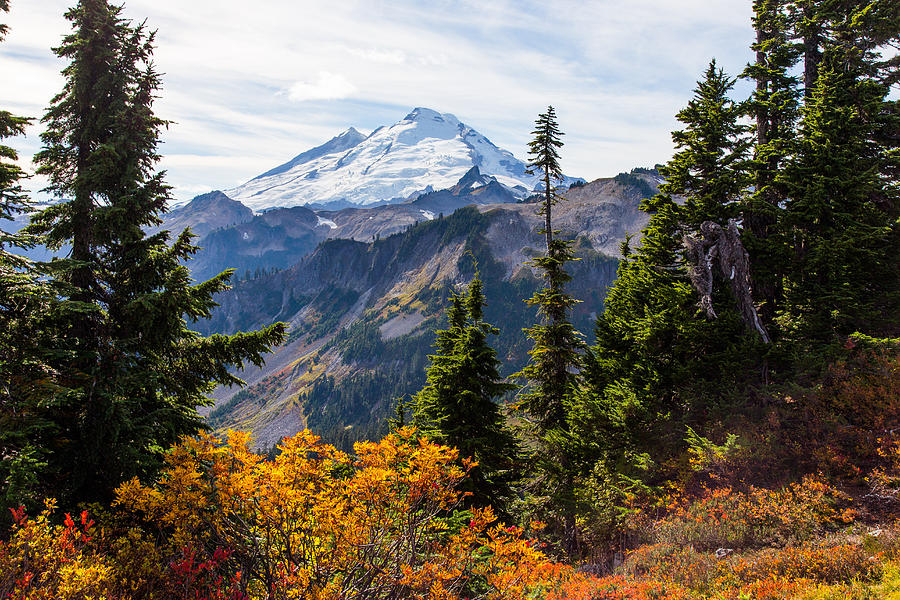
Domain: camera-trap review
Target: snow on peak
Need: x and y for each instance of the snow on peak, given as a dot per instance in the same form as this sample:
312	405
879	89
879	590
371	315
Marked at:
424	150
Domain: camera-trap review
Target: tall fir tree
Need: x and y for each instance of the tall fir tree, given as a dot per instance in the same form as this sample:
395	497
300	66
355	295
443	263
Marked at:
659	363
551	373
774	107
139	372
841	216
709	167
13	200
543	153
458	405
556	344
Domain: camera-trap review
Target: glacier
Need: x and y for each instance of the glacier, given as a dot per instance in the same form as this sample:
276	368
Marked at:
424	151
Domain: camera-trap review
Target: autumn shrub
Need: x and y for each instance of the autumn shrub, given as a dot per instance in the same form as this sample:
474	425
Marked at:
884	479
772	587
835	422
223	523
44	561
619	587
317	523
772	573
809	561
729	518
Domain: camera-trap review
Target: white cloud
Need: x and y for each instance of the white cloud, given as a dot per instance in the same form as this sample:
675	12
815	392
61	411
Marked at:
379	55
326	86
248	87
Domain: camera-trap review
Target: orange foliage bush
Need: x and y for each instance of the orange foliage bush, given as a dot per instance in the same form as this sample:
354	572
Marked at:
884	480
316	523
865	388
813	562
225	524
618	588
772	573
834	426
728	518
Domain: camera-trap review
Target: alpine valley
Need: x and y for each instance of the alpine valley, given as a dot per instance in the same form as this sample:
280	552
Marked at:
358	243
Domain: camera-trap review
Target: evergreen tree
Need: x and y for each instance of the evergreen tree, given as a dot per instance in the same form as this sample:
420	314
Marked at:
841	216
543	152
709	168
819	210
556	344
555	355
659	363
13	200
139	371
458	405
808	187
774	107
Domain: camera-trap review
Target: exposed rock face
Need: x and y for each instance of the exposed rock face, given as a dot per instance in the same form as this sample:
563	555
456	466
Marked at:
272	240
603	211
206	213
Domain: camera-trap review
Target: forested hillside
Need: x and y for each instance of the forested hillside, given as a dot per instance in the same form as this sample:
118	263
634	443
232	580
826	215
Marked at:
729	430
363	317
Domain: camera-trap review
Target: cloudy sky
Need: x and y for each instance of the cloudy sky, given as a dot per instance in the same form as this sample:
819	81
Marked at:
251	84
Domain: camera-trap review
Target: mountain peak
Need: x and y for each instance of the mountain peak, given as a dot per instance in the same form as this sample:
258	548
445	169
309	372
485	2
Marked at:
472	178
426	150
352	132
420	113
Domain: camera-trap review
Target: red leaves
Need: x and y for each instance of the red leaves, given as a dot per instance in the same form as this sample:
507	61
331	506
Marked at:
18	515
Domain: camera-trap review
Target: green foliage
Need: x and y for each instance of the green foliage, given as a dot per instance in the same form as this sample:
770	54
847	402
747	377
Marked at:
774	106
458	405
543	149
632	180
26	304
815	194
708	168
554	356
337	300
706	454
543	158
659	364
656	362
842	215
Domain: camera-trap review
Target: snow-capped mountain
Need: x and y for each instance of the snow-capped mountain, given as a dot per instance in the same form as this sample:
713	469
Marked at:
424	151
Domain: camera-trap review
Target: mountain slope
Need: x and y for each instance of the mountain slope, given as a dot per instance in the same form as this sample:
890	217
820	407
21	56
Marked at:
362	317
602	210
424	151
278	238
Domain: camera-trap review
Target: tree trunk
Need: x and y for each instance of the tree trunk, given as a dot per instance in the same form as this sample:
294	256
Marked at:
812	30
758	218
548	201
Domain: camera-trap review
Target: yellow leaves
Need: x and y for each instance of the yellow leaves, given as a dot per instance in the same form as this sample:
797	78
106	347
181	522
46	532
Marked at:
224	523
314	522
45	561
